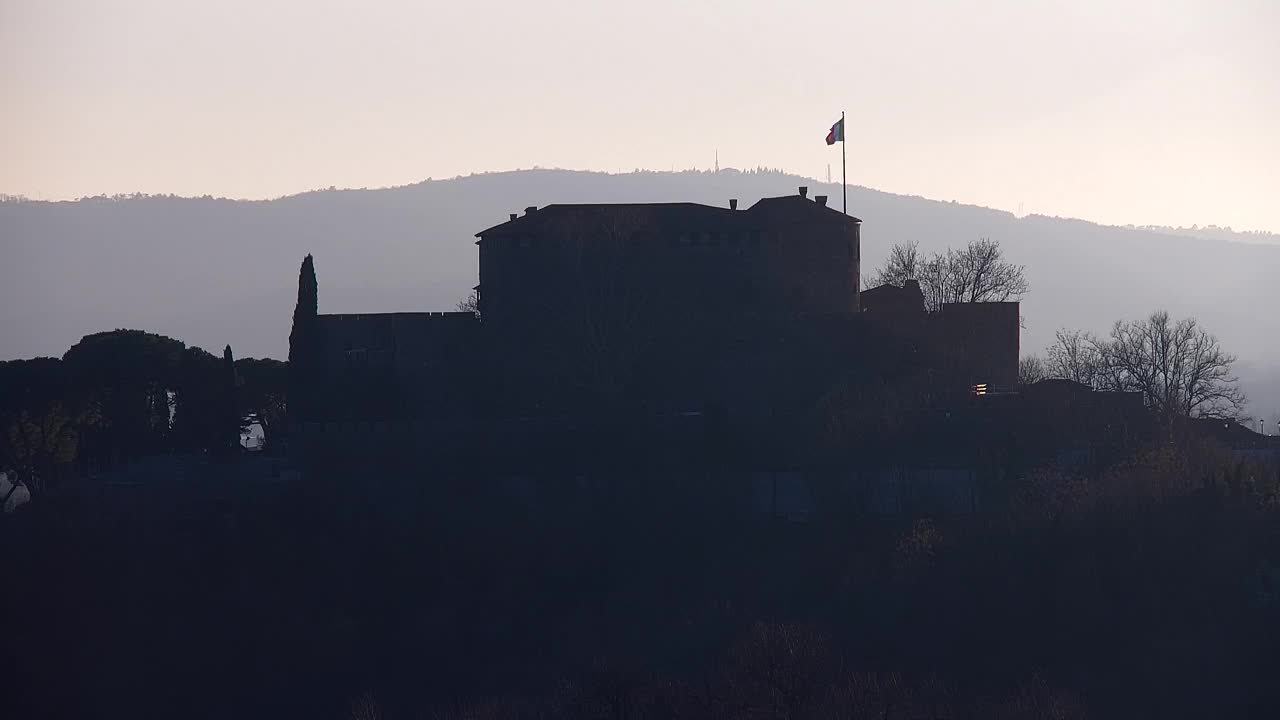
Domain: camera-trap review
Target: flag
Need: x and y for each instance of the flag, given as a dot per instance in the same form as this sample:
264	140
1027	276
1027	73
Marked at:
837	133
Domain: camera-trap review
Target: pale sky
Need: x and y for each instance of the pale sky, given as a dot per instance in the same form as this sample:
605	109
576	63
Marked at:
1119	111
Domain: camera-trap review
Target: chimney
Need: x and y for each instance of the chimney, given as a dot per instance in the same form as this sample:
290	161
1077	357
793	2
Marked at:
820	199
531	210
733	203
804	191
514	216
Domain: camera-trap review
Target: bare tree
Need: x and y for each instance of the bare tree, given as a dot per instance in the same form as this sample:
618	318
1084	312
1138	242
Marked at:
1032	369
1180	369
1076	356
471	303
978	273
902	265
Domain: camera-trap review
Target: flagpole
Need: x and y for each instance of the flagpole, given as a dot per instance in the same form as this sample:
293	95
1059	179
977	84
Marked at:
844	181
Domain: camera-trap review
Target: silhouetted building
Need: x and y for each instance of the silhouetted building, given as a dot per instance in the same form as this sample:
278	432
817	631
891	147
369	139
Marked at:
1061	421
781	255
667	305
660	309
397	365
901	303
978	341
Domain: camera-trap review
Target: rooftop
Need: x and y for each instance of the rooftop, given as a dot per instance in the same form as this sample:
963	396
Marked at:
681	215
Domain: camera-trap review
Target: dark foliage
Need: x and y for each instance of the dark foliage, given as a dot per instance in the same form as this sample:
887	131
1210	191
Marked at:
122	395
1145	590
40	420
262	394
126	376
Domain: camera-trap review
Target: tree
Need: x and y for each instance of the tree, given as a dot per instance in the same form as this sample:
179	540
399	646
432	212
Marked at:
1031	370
230	421
34	442
161	409
1075	356
127	375
304	340
1180	369
471	303
904	263
263	393
40	420
199	398
978	273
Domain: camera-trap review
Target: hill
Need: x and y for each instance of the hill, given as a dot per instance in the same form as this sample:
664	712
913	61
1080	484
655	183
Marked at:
211	271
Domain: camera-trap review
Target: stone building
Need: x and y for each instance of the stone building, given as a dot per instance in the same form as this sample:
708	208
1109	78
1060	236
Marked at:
659	308
670	305
782	255
397	365
978	341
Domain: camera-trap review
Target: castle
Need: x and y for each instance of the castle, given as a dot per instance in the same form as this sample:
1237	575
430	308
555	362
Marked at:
660	308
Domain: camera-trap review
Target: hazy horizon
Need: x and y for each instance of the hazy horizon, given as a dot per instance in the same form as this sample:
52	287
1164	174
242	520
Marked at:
1236	234
1145	113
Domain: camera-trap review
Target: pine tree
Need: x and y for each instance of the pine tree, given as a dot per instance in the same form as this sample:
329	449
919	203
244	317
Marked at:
302	341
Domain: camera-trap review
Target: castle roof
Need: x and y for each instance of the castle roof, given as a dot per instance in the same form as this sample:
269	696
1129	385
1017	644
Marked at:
677	216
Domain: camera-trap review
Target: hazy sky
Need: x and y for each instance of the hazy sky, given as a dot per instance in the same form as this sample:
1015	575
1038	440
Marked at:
1159	111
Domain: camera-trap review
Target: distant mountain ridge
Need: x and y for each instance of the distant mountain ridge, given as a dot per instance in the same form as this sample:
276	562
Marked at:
211	271
1212	232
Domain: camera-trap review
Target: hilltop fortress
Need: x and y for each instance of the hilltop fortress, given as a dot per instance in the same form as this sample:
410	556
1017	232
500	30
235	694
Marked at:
659	308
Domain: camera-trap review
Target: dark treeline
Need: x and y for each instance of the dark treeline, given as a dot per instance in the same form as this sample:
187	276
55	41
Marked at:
121	395
1145	589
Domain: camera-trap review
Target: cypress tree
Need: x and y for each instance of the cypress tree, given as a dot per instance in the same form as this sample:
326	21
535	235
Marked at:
304	313
229	420
302	341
